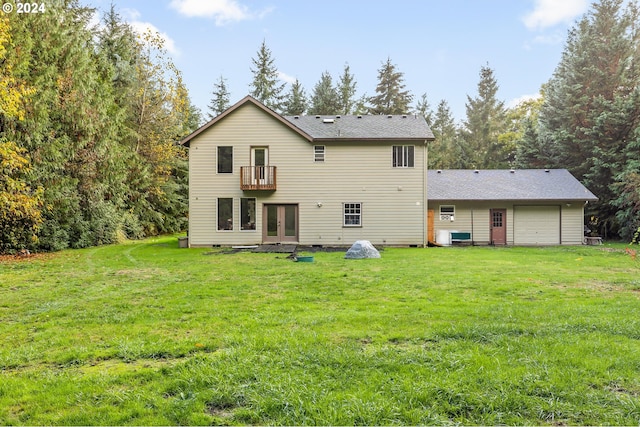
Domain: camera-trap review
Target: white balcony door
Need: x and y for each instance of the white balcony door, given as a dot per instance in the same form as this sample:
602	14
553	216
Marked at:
259	157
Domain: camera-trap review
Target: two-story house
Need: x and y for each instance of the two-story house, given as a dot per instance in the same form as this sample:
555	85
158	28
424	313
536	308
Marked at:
258	177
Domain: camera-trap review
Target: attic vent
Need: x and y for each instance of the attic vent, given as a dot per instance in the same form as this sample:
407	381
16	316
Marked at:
359	116
512	170
337	117
476	171
439	171
317	117
296	117
404	116
389	116
327	121
546	170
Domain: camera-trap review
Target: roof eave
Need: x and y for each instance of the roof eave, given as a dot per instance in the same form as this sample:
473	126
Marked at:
370	139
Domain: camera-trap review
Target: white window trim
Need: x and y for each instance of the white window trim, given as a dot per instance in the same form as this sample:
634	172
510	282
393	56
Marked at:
255	207
233	222
402	164
218	160
344	215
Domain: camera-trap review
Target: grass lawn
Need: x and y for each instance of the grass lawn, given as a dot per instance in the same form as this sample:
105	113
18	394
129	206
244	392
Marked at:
146	333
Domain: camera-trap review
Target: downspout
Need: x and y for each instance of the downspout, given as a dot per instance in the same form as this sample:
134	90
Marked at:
472	234
425	222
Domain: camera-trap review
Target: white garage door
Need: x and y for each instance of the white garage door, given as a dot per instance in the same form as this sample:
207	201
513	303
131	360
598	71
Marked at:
536	225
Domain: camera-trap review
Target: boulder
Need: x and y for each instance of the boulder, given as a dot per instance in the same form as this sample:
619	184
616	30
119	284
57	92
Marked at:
362	249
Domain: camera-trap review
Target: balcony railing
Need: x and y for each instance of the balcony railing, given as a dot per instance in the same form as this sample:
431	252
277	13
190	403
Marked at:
257	178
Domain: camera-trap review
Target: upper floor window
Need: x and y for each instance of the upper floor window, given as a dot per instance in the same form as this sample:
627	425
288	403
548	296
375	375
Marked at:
403	156
225	159
318	153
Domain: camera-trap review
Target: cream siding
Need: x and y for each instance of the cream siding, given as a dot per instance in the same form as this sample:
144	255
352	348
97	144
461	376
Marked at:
572	223
392	198
559	222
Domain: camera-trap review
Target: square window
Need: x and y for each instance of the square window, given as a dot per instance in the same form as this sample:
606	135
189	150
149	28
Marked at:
403	156
352	214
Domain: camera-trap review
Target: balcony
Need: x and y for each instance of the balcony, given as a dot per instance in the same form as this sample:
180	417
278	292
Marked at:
257	178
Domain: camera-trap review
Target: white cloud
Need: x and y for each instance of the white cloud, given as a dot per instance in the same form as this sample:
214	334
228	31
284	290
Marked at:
286	78
223	11
548	13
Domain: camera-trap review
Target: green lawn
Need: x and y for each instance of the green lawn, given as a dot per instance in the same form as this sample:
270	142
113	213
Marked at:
146	333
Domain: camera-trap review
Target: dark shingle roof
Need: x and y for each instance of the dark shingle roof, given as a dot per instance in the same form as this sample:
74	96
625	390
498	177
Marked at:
523	184
336	128
404	127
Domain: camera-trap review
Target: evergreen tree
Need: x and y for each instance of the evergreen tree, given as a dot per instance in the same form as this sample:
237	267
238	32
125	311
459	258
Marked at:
391	96
360	106
296	100
104	114
220	100
265	86
424	109
346	91
485	122
20	205
445	152
67	129
324	99
592	108
531	149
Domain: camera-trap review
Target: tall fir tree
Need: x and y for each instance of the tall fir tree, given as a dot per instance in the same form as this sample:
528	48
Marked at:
296	100
445	152
531	151
324	99
591	111
484	123
221	98
424	109
391	96
266	86
346	91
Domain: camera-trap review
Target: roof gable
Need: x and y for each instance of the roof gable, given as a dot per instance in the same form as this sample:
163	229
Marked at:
523	184
247	100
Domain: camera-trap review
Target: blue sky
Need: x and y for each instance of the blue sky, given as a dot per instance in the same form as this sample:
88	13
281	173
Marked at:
439	45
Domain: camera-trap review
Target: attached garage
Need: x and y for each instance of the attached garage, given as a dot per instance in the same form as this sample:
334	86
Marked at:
529	207
536	225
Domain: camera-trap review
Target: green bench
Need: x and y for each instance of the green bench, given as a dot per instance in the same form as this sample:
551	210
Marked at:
460	237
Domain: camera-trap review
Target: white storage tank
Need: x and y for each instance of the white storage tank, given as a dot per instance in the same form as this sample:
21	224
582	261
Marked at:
443	237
